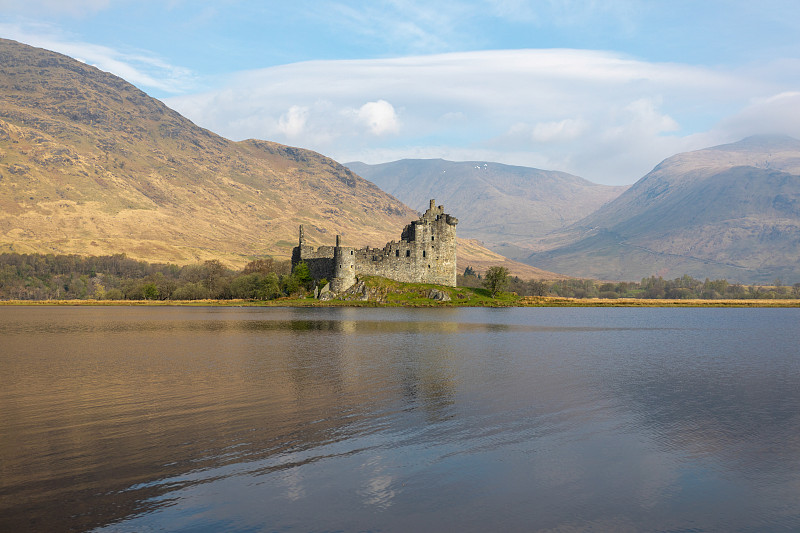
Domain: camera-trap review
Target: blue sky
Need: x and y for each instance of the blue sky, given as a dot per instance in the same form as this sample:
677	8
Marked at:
601	89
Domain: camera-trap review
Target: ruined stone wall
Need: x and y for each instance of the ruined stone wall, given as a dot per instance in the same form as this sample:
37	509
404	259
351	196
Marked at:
426	253
320	261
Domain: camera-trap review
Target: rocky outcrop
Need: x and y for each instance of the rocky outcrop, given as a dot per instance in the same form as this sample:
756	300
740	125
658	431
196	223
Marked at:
439	296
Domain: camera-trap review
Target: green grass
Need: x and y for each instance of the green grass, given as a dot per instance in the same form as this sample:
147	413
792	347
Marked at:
395	293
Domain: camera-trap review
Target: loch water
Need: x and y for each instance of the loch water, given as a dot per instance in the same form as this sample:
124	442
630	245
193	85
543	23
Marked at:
356	419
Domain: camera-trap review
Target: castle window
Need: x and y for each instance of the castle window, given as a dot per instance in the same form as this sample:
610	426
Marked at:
397	253
423	253
351	252
408	253
431	237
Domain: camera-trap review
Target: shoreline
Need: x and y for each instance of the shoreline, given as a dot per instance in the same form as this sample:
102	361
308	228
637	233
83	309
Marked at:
528	301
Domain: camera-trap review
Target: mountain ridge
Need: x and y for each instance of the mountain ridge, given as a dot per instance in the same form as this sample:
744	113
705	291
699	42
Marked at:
729	211
507	207
90	164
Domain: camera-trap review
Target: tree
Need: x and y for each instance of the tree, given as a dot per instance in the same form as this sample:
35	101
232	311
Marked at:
191	291
260	266
270	287
150	291
537	288
246	286
496	279
303	276
213	275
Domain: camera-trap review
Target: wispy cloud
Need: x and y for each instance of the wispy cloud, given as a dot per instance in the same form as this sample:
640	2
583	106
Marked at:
565	12
600	115
76	8
421	26
139	67
408	25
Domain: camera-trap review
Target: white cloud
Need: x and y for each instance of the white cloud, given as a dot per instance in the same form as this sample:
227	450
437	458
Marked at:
778	113
379	117
600	115
293	122
562	130
646	115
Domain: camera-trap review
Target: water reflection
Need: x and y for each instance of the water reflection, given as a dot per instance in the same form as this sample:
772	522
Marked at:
123	407
317	419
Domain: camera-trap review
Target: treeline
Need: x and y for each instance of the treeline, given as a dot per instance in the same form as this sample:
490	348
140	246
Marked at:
117	277
685	287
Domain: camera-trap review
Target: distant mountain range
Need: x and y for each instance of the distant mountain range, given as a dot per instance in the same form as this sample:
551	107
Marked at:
730	211
509	208
89	164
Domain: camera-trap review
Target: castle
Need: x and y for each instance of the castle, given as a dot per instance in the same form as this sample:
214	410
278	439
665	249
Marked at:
426	253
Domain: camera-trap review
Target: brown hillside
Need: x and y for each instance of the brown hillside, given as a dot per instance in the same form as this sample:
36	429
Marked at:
90	164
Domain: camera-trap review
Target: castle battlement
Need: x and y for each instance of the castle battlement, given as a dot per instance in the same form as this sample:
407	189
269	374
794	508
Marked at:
426	253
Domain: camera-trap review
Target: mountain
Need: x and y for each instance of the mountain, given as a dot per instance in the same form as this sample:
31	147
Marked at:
730	211
89	164
507	207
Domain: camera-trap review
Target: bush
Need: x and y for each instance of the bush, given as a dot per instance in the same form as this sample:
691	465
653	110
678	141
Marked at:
246	286
150	291
113	294
191	291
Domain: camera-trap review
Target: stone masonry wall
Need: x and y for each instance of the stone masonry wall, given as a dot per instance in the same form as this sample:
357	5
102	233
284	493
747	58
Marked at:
426	253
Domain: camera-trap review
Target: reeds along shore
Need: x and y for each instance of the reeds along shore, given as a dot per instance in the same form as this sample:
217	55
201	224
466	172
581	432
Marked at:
552	301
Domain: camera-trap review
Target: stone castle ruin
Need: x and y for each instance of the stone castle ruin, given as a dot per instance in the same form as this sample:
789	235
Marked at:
426	253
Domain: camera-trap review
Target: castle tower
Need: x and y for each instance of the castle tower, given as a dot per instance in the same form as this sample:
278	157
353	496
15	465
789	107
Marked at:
344	272
297	251
439	237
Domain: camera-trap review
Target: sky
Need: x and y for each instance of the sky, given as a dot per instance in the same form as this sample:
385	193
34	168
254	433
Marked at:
601	89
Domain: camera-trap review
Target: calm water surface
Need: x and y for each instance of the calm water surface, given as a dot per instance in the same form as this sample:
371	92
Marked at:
219	419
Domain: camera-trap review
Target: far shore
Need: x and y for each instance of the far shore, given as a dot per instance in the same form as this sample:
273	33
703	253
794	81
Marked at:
529	301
